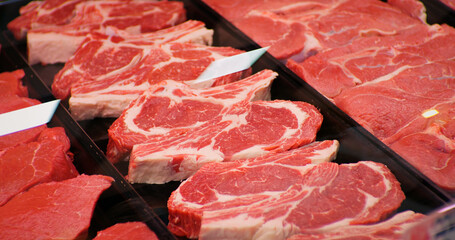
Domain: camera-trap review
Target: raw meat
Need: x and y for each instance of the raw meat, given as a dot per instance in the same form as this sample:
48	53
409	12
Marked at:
42	13
126	231
266	200
132	128
105	85
69	15
185	129
391	229
449	3
13	102
428	143
54	210
11	84
44	160
377	59
58	43
134	47
299	29
386	83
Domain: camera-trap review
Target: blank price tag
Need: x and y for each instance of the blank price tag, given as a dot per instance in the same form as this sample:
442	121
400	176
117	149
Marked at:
228	65
28	117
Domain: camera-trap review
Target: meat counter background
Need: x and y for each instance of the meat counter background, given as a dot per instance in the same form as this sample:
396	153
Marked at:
280	81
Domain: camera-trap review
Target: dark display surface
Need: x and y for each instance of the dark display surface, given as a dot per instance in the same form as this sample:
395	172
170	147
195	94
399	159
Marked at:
147	202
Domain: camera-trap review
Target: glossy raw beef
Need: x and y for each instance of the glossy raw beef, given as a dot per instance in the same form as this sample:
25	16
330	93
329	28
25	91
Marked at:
274	200
126	231
135	125
44	160
186	128
428	143
54	210
135	16
392	229
58	43
299	29
130	69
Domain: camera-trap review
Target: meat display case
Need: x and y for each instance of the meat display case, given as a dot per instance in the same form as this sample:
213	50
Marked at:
147	202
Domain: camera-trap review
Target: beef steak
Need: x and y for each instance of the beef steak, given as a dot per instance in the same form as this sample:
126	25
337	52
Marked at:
273	200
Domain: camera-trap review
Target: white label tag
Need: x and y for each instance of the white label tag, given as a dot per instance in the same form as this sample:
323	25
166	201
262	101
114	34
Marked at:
231	64
28	117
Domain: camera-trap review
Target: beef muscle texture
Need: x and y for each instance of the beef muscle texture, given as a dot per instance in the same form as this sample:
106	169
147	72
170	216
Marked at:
42	13
11	84
54	210
134	125
54	44
44	160
299	29
135	16
387	83
231	200
13	102
185	128
431	138
391	229
128	70
126	231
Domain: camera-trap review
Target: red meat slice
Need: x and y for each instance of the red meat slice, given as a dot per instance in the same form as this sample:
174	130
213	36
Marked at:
136	124
318	25
378	59
85	16
54	210
42	13
391	229
428	143
126	231
14	102
239	200
58	43
10	83
44	160
128	70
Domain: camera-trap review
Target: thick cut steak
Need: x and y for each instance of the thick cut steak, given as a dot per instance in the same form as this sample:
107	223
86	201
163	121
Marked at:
273	200
128	70
42	13
154	116
44	160
135	16
11	84
126	231
58	43
390	229
299	29
54	210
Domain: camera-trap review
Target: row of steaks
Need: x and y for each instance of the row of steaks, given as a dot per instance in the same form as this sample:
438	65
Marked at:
381	63
252	167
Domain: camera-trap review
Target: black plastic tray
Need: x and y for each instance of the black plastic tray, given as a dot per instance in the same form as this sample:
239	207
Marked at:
356	143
